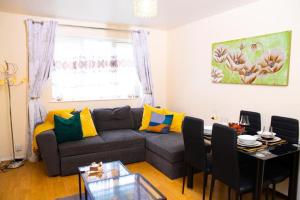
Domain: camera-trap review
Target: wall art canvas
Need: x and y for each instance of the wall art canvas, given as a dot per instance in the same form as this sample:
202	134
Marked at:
260	60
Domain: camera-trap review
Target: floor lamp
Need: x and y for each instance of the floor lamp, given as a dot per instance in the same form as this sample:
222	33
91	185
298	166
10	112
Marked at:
8	79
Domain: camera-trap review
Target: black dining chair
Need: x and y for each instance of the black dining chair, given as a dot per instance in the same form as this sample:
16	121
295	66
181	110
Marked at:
286	128
278	170
254	120
225	163
195	153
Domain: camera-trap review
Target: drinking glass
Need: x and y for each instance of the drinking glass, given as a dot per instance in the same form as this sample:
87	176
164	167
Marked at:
271	129
244	121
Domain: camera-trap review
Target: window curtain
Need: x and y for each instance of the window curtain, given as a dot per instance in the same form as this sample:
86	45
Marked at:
40	37
140	47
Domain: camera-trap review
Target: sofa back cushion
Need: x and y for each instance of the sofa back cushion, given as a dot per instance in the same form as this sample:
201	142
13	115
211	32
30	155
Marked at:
137	115
112	119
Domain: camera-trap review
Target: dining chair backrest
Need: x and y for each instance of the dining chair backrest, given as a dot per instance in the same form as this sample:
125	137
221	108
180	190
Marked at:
225	165
254	120
286	128
193	138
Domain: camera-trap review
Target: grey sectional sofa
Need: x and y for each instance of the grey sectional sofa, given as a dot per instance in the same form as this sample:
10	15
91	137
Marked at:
118	139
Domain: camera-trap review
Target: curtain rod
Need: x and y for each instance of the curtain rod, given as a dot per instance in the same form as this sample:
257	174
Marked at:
100	28
93	27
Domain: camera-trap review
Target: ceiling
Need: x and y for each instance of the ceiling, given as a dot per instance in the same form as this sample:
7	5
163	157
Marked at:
171	13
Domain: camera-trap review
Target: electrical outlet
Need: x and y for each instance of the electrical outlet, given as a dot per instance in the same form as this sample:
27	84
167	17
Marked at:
18	148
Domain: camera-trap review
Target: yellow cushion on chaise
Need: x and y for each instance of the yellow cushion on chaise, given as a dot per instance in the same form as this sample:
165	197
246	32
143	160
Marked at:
147	115
178	118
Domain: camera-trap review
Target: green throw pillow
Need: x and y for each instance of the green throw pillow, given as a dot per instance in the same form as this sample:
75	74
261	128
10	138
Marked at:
67	129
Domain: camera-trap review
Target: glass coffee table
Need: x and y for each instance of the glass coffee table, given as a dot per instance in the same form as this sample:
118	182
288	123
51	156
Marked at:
110	170
116	183
129	187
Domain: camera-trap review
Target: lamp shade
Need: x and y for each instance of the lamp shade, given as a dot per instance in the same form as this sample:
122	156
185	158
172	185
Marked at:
145	8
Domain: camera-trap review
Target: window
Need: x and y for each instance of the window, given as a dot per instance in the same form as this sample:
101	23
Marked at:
87	68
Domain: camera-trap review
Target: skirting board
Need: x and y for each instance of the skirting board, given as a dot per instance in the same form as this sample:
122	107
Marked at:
10	158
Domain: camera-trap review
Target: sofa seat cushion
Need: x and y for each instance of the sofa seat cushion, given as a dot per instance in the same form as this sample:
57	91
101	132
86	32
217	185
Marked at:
108	141
84	146
124	138
169	146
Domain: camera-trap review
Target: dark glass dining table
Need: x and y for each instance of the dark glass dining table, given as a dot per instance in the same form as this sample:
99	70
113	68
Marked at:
271	153
262	156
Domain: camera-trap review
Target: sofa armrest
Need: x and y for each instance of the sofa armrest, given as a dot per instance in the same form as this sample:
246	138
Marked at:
49	152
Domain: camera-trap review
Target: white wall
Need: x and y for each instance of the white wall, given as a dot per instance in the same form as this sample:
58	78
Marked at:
13	49
189	63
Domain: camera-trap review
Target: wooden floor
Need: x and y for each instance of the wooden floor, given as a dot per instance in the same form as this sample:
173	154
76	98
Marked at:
30	182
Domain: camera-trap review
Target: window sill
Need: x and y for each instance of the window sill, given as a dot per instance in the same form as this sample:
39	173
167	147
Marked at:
108	99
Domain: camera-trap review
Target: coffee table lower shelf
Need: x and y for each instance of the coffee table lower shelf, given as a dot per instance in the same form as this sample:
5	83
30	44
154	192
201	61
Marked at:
116	183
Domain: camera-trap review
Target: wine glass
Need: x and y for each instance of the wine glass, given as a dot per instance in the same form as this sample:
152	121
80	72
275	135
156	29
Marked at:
271	129
244	121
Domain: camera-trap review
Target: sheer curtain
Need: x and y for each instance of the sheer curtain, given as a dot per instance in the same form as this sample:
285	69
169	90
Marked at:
41	36
140	46
93	69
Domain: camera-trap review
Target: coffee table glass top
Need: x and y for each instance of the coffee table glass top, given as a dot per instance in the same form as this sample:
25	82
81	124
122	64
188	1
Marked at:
110	170
129	187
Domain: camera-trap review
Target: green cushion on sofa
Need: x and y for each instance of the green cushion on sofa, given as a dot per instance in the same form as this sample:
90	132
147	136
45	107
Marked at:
67	129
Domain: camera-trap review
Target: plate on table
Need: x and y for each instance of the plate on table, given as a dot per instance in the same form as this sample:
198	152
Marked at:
256	144
269	133
275	139
207	130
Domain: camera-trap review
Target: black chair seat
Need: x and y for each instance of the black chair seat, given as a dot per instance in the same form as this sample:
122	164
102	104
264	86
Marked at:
276	174
247	179
246	184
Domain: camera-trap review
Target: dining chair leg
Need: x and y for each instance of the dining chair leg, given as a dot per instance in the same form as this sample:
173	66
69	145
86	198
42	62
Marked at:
237	195
183	184
267	193
204	184
273	191
241	196
229	193
183	181
205	178
212	185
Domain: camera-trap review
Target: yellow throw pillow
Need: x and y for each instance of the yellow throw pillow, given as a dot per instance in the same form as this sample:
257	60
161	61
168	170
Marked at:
61	113
147	115
49	124
177	120
87	123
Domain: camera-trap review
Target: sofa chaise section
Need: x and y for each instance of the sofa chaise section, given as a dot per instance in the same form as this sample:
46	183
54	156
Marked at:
165	152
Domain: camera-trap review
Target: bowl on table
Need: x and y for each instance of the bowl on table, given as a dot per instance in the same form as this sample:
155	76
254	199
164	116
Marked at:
237	127
266	135
247	139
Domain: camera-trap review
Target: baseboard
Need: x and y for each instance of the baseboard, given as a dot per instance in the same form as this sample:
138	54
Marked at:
10	158
5	159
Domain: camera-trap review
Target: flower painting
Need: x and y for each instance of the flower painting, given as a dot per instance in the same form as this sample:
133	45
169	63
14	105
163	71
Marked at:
260	60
